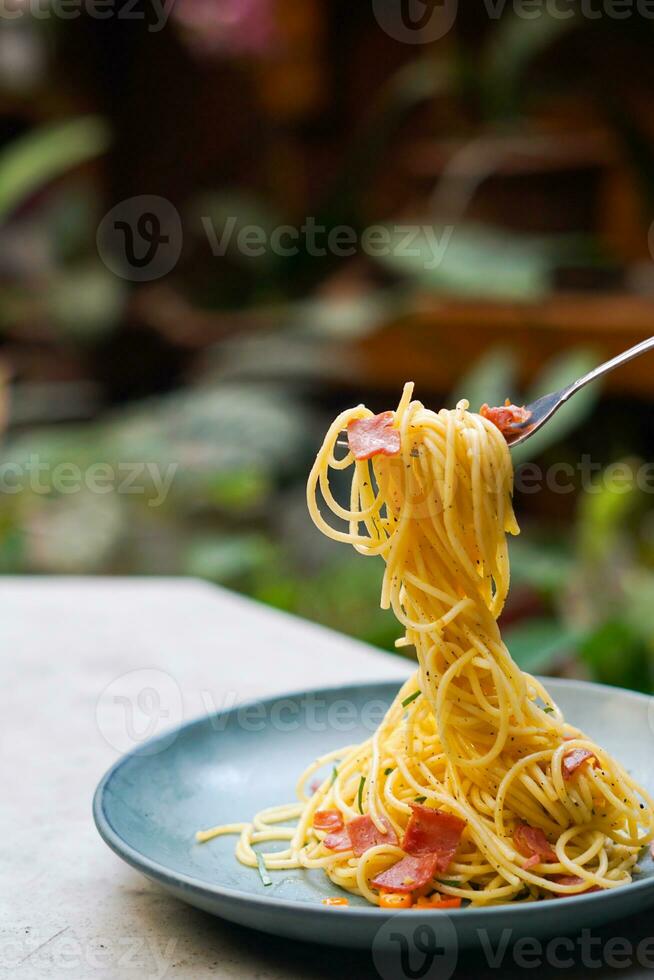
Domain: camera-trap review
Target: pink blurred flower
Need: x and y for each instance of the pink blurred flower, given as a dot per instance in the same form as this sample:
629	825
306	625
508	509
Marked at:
232	28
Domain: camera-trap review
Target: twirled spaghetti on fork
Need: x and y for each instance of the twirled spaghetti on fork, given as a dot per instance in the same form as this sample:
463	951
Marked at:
474	787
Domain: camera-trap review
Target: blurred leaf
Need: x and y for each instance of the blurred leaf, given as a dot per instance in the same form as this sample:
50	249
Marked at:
602	516
539	644
69	218
515	44
231	443
617	655
639	605
12	544
416	82
240	490
345	596
227	221
491	379
86	300
44	154
542	565
557	373
279	591
476	260
226	559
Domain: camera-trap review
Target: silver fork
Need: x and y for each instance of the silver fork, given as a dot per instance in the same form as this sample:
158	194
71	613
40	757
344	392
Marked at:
542	410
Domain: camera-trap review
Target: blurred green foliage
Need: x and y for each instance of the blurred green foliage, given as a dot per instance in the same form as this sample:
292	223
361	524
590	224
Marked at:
46	153
232	454
234	513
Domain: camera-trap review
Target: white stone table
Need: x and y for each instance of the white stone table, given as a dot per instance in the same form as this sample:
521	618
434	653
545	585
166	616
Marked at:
68	906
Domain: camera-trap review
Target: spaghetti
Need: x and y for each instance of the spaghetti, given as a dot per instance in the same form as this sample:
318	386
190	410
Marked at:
474	787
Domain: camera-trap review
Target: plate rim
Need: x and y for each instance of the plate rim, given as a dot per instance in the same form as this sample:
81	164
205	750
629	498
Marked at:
153	869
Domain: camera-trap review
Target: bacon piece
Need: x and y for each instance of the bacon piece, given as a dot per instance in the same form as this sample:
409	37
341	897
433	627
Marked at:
433	832
412	872
533	844
575	758
340	841
574	880
438	901
331	820
507	417
364	834
372	436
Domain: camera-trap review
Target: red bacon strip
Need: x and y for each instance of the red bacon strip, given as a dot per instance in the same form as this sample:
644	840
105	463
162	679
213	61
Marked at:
574	880
433	832
340	841
364	834
412	872
331	820
507	417
533	844
575	758
372	436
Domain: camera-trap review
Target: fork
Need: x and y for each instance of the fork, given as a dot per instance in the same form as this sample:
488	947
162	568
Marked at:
542	410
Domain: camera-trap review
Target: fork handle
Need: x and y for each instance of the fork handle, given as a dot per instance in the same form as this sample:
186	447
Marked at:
615	362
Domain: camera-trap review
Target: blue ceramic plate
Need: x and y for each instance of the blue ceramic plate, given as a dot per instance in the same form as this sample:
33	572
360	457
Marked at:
223	768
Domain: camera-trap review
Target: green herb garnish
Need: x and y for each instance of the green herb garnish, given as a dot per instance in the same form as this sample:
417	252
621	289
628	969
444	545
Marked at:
548	709
387	772
263	874
334	775
360	793
448	882
411	697
420	799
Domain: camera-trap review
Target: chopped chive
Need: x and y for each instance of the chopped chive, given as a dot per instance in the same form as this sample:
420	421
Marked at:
448	882
420	799
263	874
548	709
411	697
334	775
387	772
360	793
